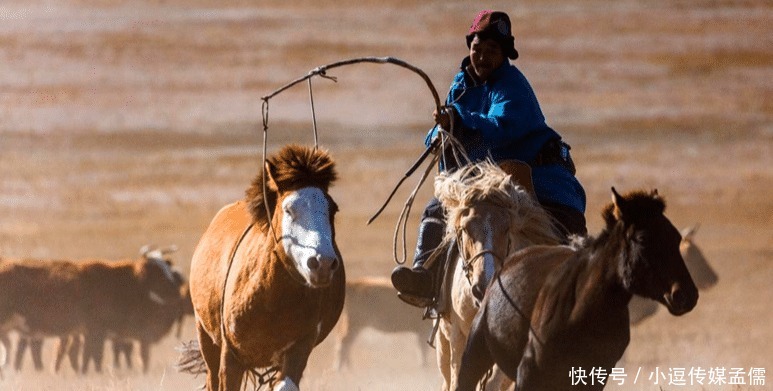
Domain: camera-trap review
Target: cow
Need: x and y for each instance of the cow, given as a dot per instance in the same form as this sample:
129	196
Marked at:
142	303
29	288
92	296
373	303
151	328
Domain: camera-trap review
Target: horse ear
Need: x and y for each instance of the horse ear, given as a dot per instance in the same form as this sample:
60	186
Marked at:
619	204
270	182
654	193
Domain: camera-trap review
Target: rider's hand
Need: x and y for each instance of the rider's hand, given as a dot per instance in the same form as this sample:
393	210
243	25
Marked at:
443	118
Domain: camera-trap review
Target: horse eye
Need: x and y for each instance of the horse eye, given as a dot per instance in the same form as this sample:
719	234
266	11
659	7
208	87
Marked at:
288	210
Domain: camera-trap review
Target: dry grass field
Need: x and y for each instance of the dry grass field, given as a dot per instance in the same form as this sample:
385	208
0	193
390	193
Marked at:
127	123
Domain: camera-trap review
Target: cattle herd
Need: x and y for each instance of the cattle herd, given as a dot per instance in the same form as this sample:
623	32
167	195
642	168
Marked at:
84	303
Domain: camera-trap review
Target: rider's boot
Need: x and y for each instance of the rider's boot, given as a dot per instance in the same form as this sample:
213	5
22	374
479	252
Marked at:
415	285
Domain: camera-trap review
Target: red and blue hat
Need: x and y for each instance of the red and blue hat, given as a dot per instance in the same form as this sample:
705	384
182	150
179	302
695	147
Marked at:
494	25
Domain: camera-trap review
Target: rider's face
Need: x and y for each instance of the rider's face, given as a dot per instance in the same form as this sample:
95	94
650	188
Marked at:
486	56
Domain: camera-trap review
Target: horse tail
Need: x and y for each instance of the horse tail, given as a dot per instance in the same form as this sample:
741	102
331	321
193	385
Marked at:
191	360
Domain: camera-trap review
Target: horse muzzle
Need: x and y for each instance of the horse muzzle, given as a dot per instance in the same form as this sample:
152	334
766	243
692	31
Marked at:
321	270
681	300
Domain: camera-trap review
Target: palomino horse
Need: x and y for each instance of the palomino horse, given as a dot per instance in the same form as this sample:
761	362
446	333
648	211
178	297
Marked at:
554	308
489	216
268	287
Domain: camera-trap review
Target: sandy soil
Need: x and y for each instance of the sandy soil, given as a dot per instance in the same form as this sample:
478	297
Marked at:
126	123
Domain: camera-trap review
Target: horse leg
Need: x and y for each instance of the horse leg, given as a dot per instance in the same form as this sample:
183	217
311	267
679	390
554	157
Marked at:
456	342
476	359
211	354
443	353
294	363
231	371
498	381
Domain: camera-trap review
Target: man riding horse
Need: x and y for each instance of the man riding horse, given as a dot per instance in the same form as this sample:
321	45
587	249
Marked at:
495	114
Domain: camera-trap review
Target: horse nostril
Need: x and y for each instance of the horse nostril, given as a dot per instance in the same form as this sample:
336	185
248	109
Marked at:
312	263
683	298
334	264
678	297
477	292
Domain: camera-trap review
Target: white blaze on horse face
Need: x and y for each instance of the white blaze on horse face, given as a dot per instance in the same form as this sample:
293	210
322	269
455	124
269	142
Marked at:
286	384
307	235
480	231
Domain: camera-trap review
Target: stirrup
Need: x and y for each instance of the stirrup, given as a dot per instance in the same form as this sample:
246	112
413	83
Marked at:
416	301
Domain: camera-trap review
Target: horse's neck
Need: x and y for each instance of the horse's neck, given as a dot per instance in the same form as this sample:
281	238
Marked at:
599	280
462	301
525	238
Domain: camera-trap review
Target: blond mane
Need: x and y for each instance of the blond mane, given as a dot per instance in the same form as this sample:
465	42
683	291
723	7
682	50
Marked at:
487	182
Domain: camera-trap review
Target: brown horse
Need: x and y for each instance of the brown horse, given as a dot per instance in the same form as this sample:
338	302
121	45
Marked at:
267	280
555	308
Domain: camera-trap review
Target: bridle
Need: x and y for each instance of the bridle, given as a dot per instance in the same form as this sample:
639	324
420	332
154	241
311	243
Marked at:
469	263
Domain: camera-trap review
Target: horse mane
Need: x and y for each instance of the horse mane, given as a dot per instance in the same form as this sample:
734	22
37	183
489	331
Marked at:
638	206
292	167
486	181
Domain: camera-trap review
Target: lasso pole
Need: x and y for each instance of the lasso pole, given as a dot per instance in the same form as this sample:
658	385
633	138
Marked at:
322	72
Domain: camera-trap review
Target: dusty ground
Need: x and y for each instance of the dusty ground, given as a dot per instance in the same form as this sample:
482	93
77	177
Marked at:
133	123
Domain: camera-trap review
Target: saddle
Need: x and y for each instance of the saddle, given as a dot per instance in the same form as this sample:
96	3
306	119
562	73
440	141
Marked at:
520	173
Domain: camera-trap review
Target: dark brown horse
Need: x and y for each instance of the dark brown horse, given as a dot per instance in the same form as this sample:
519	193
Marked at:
555	308
267	280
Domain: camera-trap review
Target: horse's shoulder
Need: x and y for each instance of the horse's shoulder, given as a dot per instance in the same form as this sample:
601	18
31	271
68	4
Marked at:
219	239
555	299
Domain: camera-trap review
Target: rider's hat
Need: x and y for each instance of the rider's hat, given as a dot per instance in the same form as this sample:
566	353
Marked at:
495	25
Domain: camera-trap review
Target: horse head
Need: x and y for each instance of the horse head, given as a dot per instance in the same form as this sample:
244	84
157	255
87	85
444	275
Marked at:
482	238
296	190
489	216
652	265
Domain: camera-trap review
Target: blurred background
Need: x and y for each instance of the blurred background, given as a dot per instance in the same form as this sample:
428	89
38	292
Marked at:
129	123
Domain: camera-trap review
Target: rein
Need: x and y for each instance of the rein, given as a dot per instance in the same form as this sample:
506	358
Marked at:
467	264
